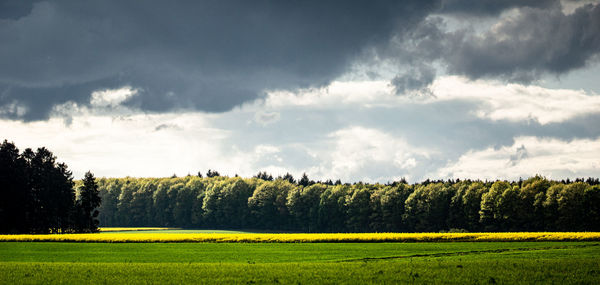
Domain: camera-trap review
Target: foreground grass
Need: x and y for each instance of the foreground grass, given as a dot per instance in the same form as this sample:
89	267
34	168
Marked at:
428	271
194	236
254	252
464	263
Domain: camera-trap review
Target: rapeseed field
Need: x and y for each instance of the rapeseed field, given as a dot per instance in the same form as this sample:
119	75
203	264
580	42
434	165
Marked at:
117	237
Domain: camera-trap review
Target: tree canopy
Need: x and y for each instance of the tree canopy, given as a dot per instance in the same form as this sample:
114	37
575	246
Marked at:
255	203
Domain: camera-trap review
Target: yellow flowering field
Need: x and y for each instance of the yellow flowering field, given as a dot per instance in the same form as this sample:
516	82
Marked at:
117	229
306	237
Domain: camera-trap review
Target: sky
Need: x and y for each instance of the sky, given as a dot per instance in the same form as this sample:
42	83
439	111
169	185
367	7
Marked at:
370	91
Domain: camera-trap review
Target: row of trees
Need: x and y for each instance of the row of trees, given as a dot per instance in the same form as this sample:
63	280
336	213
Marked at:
39	196
261	202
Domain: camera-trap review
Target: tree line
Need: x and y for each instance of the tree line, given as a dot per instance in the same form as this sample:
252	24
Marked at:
38	194
264	202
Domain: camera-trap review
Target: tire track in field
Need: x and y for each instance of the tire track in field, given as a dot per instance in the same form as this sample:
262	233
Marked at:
443	254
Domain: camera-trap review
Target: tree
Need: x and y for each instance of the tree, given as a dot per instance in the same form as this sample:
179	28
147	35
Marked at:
592	207
52	192
500	207
109	190
358	207
388	207
226	203
532	197
37	192
571	207
197	186
264	176
550	205
268	204
427	207
16	196
332	209
303	204
142	203
471	203
289	178
89	201
489	215
124	206
184	202
304	181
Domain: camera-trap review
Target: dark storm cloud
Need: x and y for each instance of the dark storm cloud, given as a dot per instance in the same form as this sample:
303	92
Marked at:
203	55
533	43
15	9
214	55
539	39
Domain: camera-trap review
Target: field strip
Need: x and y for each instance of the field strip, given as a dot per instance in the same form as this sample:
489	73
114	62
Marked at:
139	229
443	254
144	237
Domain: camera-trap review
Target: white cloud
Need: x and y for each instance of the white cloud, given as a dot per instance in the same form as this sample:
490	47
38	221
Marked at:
349	130
13	109
494	100
337	94
569	6
128	145
552	158
265	149
517	102
369	155
111	97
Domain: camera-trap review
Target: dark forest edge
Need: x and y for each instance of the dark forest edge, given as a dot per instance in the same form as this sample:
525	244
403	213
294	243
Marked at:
38	194
282	203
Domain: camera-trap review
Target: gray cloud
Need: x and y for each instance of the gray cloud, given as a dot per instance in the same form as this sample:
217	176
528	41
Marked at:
264	118
167	127
212	56
519	155
489	7
15	9
415	79
533	43
201	55
539	39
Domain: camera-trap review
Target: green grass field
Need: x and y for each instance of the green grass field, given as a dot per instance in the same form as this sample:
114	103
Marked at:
303	263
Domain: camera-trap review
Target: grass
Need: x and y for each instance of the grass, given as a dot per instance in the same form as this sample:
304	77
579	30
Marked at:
249	252
304	263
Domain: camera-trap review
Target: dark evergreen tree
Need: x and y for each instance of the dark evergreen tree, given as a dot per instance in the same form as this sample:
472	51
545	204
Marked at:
37	192
16	197
264	176
289	178
53	197
304	181
89	201
212	173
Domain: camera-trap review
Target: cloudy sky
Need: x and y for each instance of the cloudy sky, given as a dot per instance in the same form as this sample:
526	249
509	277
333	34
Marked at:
356	90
